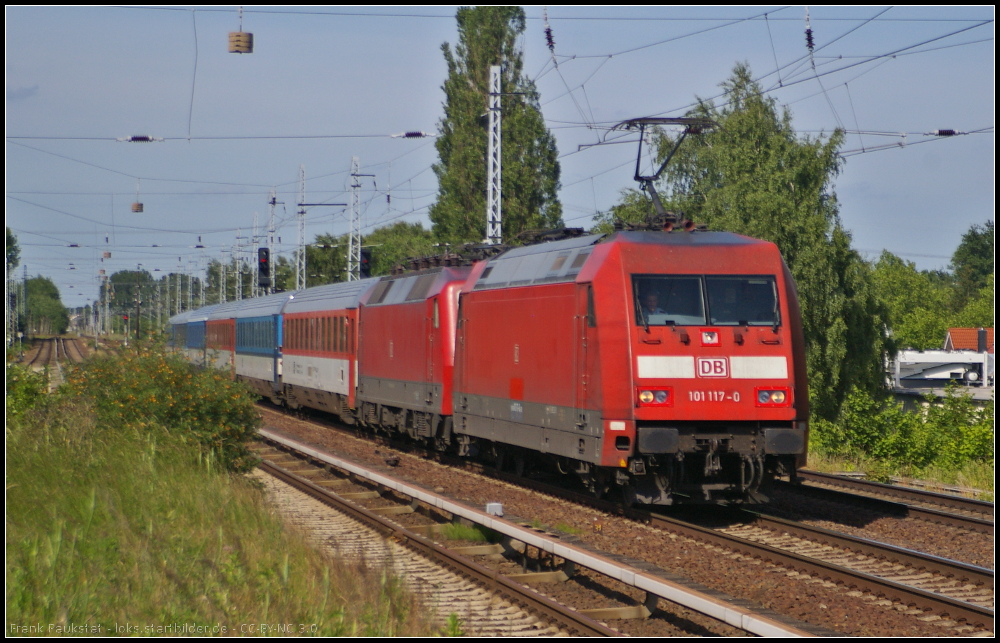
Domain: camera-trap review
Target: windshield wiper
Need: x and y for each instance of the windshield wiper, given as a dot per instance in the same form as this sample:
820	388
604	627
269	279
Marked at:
642	313
774	327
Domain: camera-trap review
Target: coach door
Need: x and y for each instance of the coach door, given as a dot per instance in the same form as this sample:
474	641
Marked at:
583	323
433	322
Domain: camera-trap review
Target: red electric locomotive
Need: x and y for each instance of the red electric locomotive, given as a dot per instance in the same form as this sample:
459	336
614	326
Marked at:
406	353
670	364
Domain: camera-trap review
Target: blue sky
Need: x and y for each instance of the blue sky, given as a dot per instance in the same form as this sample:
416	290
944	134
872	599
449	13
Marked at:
77	78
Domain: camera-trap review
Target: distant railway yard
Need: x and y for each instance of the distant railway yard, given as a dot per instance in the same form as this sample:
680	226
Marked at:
512	551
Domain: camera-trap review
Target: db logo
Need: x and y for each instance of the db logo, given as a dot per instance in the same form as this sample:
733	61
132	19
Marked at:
713	367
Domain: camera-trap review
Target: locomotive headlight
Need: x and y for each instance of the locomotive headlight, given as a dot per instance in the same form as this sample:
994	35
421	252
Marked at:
710	337
655	396
773	397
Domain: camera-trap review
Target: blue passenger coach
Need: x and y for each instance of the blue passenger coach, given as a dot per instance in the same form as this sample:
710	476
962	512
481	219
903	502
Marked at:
258	343
195	334
178	332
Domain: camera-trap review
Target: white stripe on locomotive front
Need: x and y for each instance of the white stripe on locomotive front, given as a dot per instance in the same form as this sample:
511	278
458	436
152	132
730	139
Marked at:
740	367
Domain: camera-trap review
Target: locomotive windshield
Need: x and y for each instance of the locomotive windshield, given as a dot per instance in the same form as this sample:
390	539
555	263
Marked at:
661	301
692	300
742	301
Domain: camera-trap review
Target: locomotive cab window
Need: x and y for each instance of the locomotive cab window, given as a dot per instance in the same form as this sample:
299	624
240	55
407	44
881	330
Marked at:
742	301
693	300
668	300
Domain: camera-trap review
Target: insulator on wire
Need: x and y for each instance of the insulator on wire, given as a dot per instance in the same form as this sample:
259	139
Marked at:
809	40
549	40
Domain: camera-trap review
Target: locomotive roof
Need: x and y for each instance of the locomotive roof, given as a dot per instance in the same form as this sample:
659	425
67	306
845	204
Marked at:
399	289
339	296
561	261
553	262
680	238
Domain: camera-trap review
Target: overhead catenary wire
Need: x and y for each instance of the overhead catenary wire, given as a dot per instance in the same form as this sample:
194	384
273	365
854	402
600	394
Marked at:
588	118
451	16
194	75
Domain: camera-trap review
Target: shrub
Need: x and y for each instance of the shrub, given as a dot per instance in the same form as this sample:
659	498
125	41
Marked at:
949	434
25	389
145	387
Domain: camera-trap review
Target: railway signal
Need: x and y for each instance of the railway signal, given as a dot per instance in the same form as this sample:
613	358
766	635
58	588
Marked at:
264	267
365	270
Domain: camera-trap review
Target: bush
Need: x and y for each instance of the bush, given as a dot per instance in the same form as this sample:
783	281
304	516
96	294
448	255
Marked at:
145	387
25	388
949	434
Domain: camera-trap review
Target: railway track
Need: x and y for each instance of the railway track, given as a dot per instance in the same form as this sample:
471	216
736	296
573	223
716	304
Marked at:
308	469
923	582
881	574
929	585
482	613
946	509
50	356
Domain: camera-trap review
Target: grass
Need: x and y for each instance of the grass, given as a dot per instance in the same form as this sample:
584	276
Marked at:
568	529
975	475
133	530
473	533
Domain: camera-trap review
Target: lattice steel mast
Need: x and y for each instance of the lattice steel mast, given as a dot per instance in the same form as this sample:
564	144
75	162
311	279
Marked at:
494	234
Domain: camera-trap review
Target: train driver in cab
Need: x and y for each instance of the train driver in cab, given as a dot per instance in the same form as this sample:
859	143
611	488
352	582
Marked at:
651	304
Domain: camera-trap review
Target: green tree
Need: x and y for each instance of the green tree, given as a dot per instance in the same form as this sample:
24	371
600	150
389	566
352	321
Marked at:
980	311
389	245
754	175
972	262
488	36
917	302
45	311
13	251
